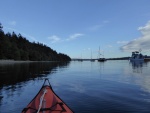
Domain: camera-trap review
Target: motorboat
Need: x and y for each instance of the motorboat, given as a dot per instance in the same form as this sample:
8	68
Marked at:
136	56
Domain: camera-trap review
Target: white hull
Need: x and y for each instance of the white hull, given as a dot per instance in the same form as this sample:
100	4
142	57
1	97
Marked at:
131	59
136	56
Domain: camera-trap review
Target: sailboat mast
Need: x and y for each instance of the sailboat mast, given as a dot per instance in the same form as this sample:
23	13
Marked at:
99	52
91	54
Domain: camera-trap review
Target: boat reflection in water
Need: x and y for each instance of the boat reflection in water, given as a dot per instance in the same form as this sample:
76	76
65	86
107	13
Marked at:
138	65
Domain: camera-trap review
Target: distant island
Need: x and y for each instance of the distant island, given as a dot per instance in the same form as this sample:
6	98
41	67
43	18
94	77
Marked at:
17	47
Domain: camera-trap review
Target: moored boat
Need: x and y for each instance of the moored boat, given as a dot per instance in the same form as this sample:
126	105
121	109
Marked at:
101	59
136	56
46	101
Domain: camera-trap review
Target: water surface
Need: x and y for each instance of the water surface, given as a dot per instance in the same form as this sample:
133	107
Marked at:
87	87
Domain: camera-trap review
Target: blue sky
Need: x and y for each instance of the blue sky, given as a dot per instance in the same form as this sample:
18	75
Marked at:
79	27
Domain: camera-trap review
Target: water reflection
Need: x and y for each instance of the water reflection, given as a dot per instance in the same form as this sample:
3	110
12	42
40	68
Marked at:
14	77
115	87
137	66
141	74
12	73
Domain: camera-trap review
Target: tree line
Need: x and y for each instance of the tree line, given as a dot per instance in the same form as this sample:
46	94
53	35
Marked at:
17	47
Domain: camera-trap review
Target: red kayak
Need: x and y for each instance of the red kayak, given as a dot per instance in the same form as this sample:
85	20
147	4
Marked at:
46	101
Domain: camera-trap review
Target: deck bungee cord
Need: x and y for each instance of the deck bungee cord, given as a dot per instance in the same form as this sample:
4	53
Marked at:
47	101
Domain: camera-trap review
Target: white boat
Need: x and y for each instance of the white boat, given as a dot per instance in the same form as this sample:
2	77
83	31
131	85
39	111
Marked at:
136	56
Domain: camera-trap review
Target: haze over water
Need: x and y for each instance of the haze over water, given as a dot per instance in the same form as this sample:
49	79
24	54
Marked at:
87	87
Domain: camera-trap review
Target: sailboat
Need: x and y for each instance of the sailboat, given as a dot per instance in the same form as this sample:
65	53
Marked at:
101	59
80	59
92	60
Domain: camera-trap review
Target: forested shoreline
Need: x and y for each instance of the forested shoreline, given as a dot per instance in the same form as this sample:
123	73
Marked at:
17	47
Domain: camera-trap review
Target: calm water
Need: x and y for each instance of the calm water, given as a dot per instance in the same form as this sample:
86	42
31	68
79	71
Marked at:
87	87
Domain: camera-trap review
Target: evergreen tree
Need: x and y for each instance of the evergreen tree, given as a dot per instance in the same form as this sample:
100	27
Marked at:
17	47
1	27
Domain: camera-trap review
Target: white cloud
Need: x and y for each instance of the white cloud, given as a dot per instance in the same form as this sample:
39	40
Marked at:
142	42
74	36
13	23
146	29
98	26
122	42
54	39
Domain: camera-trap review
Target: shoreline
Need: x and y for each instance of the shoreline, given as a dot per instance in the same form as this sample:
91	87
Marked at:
20	61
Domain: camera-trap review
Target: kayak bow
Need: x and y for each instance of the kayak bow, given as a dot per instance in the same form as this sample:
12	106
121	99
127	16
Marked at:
46	101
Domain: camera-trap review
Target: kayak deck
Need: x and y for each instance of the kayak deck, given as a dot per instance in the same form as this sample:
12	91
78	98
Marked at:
46	101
